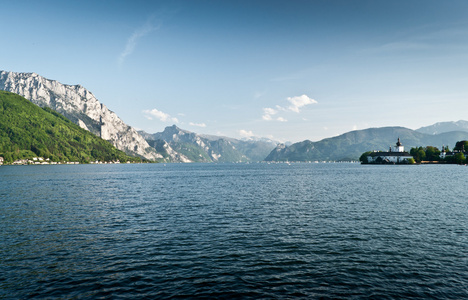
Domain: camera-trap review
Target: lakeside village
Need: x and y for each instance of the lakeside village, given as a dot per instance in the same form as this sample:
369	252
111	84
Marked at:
419	155
47	161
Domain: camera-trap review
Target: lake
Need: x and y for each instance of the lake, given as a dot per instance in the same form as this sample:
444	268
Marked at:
274	231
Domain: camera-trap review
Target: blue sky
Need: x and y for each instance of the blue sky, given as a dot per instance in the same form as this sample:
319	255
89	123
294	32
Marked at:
288	70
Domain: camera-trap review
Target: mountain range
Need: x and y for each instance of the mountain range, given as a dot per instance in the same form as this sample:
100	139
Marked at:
172	145
177	145
181	145
350	145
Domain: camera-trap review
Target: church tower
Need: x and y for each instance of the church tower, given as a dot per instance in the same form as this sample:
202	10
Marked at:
399	147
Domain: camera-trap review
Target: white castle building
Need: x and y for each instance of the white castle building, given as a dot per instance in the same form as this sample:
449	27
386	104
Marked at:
397	155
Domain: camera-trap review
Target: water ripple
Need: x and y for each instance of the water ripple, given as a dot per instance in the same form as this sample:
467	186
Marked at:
233	232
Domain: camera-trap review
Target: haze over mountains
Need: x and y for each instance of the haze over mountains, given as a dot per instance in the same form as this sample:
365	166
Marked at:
177	145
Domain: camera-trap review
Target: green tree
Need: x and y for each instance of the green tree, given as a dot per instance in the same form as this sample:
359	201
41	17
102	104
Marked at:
363	158
460	158
421	155
8	158
461	146
418	154
432	153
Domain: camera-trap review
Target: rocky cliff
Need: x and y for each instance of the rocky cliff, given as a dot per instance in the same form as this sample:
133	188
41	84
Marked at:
81	107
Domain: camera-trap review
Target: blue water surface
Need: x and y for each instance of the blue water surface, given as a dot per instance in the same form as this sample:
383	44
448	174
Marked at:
274	231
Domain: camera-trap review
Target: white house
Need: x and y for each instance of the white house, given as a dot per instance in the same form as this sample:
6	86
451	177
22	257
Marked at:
444	154
1	160
397	155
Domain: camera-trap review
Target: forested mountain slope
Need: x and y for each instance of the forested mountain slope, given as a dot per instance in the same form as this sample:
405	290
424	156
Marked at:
27	130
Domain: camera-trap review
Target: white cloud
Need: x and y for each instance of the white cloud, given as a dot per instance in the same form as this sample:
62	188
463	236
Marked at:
295	104
246	134
161	116
197	124
268	112
299	101
281	119
133	39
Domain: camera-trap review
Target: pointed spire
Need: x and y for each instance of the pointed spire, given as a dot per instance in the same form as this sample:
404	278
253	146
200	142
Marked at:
398	143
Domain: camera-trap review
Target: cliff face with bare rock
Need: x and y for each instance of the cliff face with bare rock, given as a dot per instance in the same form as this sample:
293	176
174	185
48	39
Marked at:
81	107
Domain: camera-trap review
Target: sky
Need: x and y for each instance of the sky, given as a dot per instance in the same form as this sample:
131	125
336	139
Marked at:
285	70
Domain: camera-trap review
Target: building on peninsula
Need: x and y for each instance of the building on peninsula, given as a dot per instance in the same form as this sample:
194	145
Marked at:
395	155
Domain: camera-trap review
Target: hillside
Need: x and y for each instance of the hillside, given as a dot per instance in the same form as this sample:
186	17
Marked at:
79	106
26	130
351	145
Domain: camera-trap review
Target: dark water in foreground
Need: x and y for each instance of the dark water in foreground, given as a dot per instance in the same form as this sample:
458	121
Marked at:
233	231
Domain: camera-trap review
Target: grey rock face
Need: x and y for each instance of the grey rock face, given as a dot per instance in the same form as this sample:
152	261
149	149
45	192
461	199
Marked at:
178	145
81	107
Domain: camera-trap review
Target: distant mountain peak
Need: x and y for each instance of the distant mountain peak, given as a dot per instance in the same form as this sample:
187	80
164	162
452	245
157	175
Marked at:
442	127
186	146
175	129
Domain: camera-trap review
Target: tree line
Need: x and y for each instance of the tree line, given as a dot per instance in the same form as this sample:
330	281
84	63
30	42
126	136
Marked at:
433	154
430	153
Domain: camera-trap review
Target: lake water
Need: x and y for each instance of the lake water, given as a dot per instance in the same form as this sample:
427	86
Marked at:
234	231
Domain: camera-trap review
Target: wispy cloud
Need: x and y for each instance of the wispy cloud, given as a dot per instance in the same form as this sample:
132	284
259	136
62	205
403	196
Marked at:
161	116
258	95
296	103
202	125
426	38
132	41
